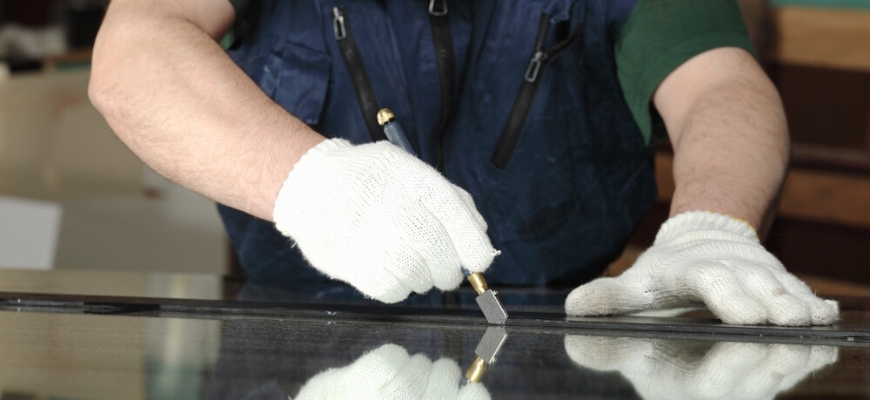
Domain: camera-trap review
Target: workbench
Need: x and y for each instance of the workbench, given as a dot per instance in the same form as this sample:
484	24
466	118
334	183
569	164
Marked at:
125	335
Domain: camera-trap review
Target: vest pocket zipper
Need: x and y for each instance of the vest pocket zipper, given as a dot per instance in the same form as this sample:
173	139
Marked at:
507	141
446	59
362	86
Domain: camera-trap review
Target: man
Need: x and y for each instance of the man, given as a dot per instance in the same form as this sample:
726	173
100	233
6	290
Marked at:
537	117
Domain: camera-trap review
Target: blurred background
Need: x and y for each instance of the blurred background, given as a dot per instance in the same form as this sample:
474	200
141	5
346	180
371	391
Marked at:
73	197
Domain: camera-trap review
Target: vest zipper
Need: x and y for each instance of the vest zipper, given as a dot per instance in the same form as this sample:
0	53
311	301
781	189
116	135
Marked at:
446	59
507	141
365	94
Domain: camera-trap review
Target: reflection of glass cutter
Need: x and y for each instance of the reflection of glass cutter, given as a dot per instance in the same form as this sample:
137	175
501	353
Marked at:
490	344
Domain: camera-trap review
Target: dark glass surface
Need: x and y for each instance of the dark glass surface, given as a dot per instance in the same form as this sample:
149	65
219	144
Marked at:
256	342
66	353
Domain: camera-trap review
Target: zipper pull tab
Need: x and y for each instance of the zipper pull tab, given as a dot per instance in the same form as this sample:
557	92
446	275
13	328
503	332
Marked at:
535	66
338	23
438	8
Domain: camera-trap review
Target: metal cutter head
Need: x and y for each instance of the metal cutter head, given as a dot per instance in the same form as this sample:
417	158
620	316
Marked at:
488	300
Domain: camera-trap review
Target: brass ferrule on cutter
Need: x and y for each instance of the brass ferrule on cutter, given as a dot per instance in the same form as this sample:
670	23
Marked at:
478	283
476	370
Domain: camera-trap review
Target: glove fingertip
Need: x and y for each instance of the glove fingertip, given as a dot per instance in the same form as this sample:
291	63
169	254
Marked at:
467	232
824	355
449	281
602	353
834	305
738	311
441	385
388	294
392	297
480	259
606	296
825	313
593	298
578	302
446	367
474	391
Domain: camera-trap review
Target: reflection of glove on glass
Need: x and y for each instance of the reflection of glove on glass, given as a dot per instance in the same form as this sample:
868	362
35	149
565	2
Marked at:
710	258
389	372
381	220
670	369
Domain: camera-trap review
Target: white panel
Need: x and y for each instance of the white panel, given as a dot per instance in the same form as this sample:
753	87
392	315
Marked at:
28	233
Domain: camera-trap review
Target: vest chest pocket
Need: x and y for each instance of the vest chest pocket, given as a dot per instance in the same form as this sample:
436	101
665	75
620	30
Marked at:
297	78
534	175
542	54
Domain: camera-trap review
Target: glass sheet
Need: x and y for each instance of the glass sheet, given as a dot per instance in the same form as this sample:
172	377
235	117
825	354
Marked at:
70	354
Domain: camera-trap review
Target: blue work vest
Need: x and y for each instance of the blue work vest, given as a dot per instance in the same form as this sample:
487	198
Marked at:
530	119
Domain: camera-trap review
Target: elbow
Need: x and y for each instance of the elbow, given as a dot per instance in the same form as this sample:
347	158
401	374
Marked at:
102	91
111	59
109	88
112	94
99	93
111	63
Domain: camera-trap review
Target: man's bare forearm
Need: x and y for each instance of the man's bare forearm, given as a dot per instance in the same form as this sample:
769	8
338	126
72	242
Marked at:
729	135
176	99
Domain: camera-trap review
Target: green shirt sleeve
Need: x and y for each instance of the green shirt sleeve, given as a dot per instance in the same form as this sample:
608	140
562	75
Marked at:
230	37
659	36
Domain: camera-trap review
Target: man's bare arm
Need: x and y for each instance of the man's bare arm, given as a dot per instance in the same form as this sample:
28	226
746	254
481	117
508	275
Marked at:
176	99
729	134
731	155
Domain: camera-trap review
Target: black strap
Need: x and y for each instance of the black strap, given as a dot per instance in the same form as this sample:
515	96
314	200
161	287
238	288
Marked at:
365	94
446	59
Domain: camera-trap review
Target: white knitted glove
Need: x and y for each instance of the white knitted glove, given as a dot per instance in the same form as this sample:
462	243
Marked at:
670	369
390	373
711	259
381	220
